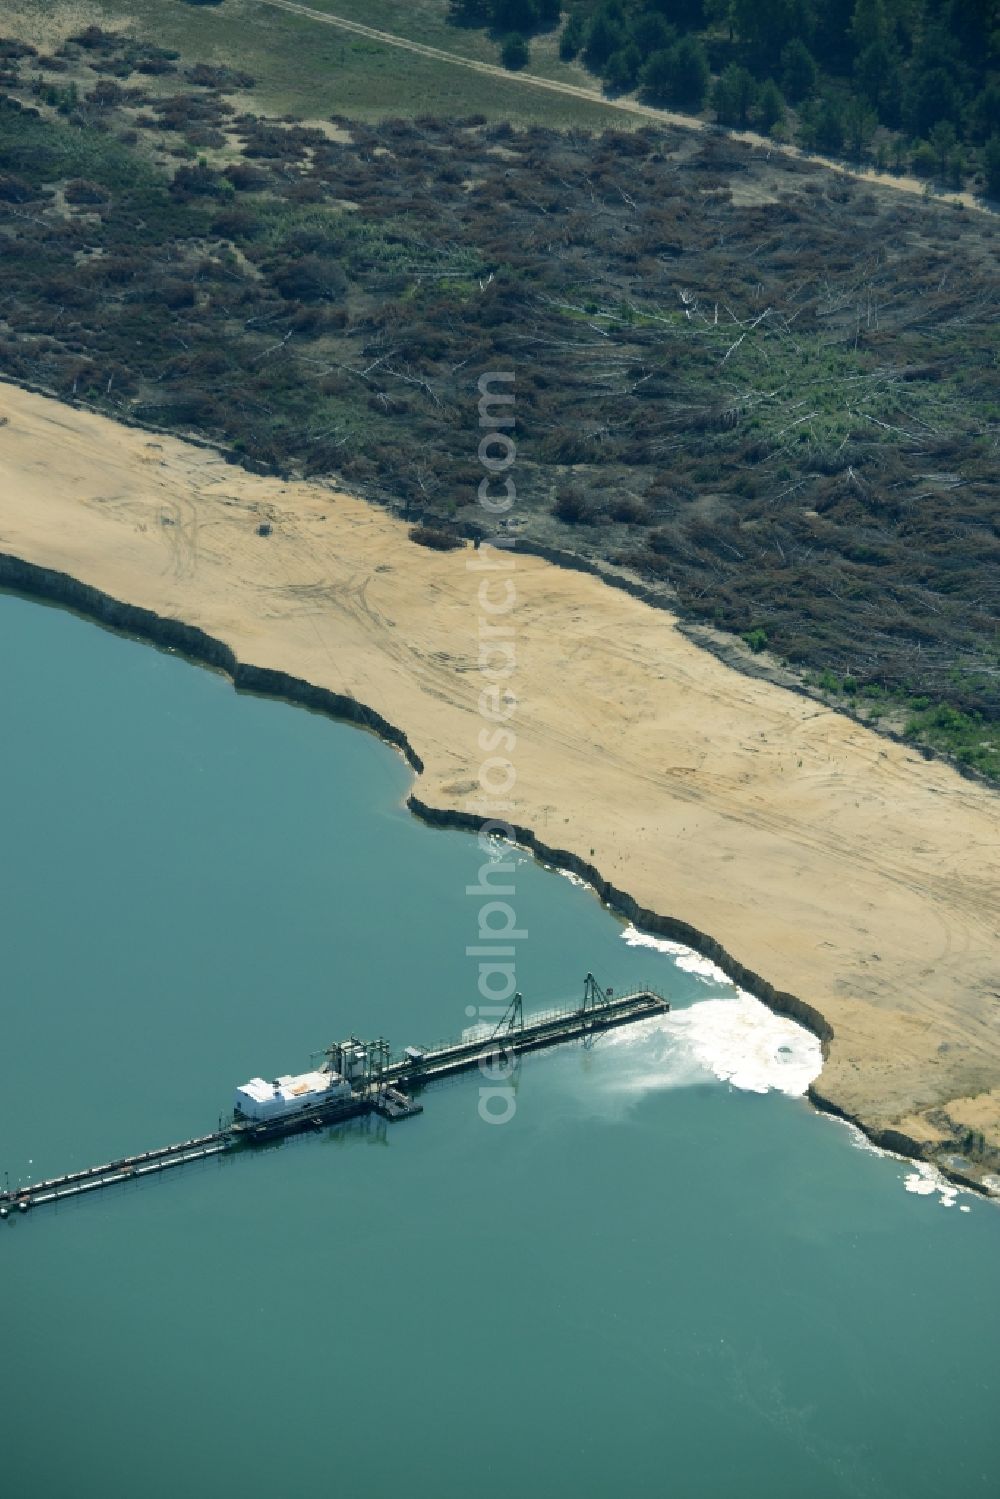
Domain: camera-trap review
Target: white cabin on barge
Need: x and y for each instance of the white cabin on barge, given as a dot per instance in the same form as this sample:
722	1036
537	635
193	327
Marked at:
283	1096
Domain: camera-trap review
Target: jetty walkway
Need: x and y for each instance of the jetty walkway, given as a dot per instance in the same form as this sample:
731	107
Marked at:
386	1089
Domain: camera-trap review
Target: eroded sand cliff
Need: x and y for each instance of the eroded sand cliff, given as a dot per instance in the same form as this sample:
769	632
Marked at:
859	884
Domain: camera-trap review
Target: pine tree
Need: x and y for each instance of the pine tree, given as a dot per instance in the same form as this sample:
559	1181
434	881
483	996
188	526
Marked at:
677	75
657	77
859	125
798	75
829	127
515	53
734	95
621	70
770	106
868	24
991	166
931	96
767	25
877	77
686	15
606	35
572	36
651	33
943	141
469	12
691	73
984	115
514	17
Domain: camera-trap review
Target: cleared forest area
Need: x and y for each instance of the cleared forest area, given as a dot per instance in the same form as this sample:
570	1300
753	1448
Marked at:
766	389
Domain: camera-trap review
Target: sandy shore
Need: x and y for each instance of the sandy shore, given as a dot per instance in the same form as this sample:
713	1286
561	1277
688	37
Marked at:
842	869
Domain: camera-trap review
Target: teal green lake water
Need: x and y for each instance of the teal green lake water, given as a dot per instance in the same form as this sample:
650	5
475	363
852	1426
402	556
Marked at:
651	1281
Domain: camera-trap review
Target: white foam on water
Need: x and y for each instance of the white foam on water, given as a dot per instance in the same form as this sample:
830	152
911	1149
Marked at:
684	957
499	851
921	1178
574	879
859	1139
926	1181
736	1040
740	1041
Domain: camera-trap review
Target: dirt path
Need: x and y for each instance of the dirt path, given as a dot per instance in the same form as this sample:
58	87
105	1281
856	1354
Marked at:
838	866
903	184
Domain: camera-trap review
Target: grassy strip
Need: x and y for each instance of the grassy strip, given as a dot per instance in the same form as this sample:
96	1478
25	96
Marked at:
347	74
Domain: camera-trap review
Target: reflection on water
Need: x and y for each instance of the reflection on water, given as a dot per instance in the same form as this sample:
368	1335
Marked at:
666	1275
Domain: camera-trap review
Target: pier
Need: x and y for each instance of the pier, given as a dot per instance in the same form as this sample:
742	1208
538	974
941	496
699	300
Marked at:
386	1087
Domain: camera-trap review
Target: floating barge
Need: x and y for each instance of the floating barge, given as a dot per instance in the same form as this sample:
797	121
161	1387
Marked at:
357	1078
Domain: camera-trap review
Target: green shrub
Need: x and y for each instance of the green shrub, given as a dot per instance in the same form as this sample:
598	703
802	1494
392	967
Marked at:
770	107
798	71
515	53
572	37
573	508
734	95
924	160
436	539
621	70
677	75
829	126
991	166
